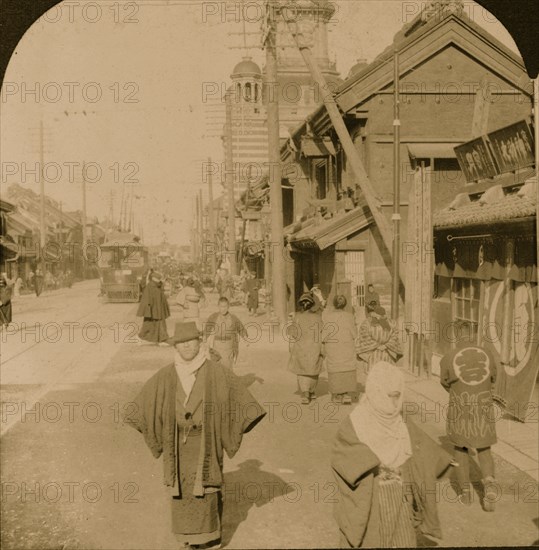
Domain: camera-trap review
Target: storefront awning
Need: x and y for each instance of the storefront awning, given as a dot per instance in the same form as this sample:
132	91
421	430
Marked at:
432	150
315	147
494	207
324	233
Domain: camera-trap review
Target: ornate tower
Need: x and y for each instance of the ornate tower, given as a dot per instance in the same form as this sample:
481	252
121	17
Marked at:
298	95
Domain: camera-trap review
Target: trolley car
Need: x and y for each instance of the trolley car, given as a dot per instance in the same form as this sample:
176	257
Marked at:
123	265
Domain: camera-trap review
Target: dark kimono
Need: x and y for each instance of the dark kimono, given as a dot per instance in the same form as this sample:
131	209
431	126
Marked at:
305	337
192	438
251	287
369	513
468	374
5	307
154	308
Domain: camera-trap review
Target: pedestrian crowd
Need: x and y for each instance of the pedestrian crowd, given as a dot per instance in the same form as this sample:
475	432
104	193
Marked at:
196	409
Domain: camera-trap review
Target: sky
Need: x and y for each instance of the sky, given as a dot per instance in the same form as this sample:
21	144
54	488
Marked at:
119	87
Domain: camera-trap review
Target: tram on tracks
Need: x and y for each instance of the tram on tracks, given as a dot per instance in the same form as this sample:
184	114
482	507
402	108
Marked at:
123	264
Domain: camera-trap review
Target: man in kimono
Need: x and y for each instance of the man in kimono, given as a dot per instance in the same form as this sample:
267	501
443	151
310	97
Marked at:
223	330
189	412
378	339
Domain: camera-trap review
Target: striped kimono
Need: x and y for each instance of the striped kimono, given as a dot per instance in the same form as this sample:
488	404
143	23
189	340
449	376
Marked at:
378	343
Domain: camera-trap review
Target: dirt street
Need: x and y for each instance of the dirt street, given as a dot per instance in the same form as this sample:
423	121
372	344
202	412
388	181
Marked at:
73	476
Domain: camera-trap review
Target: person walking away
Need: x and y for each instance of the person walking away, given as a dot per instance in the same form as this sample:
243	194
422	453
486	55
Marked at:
223	331
468	374
182	412
378	339
385	470
17	286
6	291
339	337
252	285
38	281
199	287
188	299
154	309
227	286
305	337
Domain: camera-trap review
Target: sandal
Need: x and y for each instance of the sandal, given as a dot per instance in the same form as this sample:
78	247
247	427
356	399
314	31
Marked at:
490	494
305	398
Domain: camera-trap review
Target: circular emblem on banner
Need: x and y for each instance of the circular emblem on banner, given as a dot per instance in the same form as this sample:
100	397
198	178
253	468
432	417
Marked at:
522	325
472	366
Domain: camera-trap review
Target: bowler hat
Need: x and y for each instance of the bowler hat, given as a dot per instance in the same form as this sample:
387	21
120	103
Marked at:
184	332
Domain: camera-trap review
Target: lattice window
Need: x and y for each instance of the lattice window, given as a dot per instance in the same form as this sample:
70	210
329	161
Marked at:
466	293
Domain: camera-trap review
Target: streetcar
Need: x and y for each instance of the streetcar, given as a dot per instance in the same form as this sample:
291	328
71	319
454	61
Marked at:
123	266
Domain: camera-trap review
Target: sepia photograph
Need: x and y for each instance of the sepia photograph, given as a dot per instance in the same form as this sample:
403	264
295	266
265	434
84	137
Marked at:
513	147
269	274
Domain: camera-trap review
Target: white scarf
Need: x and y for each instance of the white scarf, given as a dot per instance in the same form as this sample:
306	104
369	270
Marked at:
187	370
377	420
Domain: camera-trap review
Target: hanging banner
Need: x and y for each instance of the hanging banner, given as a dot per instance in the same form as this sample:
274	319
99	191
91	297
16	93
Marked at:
417	256
515	381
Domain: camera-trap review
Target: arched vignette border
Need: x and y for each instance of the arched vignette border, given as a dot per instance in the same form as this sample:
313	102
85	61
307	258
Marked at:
520	18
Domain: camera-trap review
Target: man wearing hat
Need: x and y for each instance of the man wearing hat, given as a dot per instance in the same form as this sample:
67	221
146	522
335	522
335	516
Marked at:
189	412
154	309
378	339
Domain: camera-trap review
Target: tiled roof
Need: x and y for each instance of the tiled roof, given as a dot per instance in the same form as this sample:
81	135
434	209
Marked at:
480	212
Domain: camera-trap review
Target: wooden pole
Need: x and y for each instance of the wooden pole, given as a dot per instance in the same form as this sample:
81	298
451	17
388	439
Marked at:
396	192
211	222
274	156
201	227
42	234
83	220
348	145
229	181
536	119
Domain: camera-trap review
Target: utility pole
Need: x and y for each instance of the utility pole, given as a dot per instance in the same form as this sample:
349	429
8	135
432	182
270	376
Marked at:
196	232
111	208
201	226
274	156
211	223
229	181
396	190
42	235
83	219
536	129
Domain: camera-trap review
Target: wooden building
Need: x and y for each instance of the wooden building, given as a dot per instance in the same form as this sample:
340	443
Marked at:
486	268
456	80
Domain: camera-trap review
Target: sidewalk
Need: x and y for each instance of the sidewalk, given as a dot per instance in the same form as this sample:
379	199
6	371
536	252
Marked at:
517	441
426	400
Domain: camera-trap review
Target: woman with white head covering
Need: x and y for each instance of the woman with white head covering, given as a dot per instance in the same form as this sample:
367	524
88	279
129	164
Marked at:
385	469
